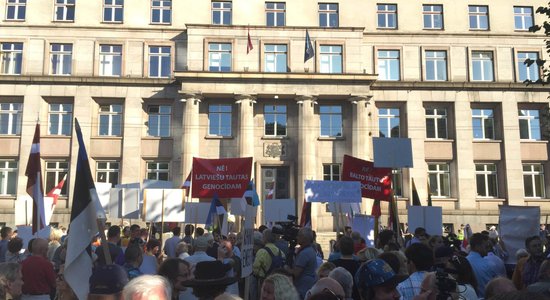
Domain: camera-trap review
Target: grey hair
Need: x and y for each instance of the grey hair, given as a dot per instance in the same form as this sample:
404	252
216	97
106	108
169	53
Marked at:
268	236
344	278
146	285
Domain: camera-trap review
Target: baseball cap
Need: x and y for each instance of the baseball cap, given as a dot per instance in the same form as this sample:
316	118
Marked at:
108	279
376	272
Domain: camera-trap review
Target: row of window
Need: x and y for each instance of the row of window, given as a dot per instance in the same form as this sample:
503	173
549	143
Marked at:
275	14
110	121
220	58
439	177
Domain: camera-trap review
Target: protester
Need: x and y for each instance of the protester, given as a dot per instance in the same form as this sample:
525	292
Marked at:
210	279
461	270
147	287
125	240
483	269
527	269
435	242
55	242
117	255
11	280
498	285
176	271
420	236
375	279
262	265
14	253
305	262
38	272
107	282
420	261
171	243
5	233
201	244
182	250
232	237
345	279
384	237
133	257
188	234
358	242
325	269
326	284
347	260
393	260
278	287
367	254
542	285
434	289
150	263
225	255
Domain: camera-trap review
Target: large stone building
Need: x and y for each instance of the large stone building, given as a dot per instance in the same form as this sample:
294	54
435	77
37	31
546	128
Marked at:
154	83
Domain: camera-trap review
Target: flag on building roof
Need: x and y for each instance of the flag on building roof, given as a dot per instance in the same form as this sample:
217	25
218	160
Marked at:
216	210
249	46
309	51
34	183
305	218
85	212
416	199
429	194
251	194
55	192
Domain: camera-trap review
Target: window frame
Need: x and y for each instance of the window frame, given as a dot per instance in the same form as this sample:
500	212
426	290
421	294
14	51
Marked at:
330	55
66	6
157	170
434	61
520	64
221	52
432	15
532	173
219	111
436	116
478	15
388	115
476	56
113	7
222	12
60	122
386	13
483	117
326	11
14	110
162	8
111	114
276	114
335	115
276	11
160	116
397	182
161	57
60	56
524	16
332	172
387	61
108	171
18	6
530	119
441	175
489	177
277	56
59	173
6	169
113	56
14	56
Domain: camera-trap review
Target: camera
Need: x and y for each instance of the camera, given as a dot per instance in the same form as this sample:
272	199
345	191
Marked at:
288	230
445	284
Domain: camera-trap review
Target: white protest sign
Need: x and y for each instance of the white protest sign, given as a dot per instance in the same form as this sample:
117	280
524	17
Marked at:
23	210
174	201
25	233
332	191
428	217
157	184
247	251
103	190
277	210
238	206
130	203
516	223
114	207
196	212
152	205
344	208
392	153
364	224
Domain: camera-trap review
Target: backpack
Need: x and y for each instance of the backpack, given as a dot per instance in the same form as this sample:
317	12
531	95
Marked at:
276	261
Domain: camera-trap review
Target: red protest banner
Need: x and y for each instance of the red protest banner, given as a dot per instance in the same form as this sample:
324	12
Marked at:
375	182
227	177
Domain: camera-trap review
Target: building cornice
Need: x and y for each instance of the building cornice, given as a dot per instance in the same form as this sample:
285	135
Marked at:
458	86
271	78
81	80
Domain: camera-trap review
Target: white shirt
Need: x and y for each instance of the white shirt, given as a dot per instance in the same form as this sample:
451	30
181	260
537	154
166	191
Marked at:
170	246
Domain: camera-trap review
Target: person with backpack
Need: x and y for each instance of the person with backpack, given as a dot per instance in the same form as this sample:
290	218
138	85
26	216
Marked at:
269	257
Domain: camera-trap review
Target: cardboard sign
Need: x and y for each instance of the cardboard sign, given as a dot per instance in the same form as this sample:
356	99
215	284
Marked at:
23	210
157	184
104	193
247	251
364	224
428	217
375	182
344	208
169	202
392	153
114	207
238	206
332	191
196	212
131	204
516	223
277	210
226	177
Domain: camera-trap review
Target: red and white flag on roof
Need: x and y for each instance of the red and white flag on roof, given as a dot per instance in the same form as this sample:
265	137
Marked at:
34	183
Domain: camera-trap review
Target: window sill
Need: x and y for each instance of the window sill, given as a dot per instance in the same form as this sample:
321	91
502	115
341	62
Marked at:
9	20
436	140
331	138
433	29
57	136
490	200
536	200
278	137
7	136
488	141
155	138
479	29
218	137
112	22
386	28
444	199
63	21
107	137
8	197
533	141
165	24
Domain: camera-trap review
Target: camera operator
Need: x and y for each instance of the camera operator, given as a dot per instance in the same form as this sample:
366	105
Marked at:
438	286
305	262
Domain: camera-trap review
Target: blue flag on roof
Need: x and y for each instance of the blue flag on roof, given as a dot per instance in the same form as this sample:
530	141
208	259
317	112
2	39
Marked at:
309	51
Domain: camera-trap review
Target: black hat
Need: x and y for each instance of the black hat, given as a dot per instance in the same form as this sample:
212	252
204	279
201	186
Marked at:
210	273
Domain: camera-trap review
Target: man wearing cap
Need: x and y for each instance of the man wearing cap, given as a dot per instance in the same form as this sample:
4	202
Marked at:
107	282
376	280
210	279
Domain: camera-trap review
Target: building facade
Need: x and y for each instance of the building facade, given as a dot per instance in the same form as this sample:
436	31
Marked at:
155	83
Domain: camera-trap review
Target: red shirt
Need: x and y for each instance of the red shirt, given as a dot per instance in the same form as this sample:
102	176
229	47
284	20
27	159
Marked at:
38	275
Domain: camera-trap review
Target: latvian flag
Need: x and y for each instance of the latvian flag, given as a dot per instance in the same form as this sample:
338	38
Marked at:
187	183
34	183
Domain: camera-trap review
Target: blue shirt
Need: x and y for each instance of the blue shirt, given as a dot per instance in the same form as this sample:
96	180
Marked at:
483	269
3	250
411	286
307	260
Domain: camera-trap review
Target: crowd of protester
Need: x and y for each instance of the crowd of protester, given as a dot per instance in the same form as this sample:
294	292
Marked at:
133	264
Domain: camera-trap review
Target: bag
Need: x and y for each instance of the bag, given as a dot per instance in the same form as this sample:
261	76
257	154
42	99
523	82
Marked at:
276	261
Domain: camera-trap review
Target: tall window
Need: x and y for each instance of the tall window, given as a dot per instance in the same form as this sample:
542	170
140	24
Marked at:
433	16
60	119
523	17
10	118
483	124
533	181
159	120
110	120
331	172
275	13
328	14
221	12
275	58
158	170
64	10
219	57
331	120
275	120
526	72
479	17
436	123
110	60
55	171
161	11
529	124
486	180
61	57
388	65
436	65
107	171
387	16
440	180
331	59
113	11
397	182
8	177
159	62
482	66
15	10
388	122
12	58
219	118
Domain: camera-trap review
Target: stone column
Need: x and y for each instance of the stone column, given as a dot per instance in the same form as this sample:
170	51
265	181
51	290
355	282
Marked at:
246	125
308	131
361	130
190	127
131	139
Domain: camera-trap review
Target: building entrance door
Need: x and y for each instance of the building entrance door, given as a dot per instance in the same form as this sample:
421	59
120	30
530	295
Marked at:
275	183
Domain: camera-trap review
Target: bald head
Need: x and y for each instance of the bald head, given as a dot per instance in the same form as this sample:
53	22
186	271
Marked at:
39	247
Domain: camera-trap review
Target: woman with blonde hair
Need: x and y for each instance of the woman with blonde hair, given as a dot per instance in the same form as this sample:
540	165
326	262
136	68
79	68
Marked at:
278	287
55	242
11	280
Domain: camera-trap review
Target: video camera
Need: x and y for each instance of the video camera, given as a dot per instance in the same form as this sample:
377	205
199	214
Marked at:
287	229
445	284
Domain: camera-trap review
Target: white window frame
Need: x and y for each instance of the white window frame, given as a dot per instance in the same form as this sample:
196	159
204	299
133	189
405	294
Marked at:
328	55
481	60
273	56
111	111
65	6
108	56
7	168
279	111
159	112
441	172
113	7
216	53
434	58
17	6
224	8
476	12
385	115
489	176
59	171
439	114
485	115
64	110
278	9
532	171
331	172
58	59
326	10
161	54
111	168
530	116
525	15
12	58
14	114
335	120
432	15
218	111
155	170
385	59
521	57
161	7
385	12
